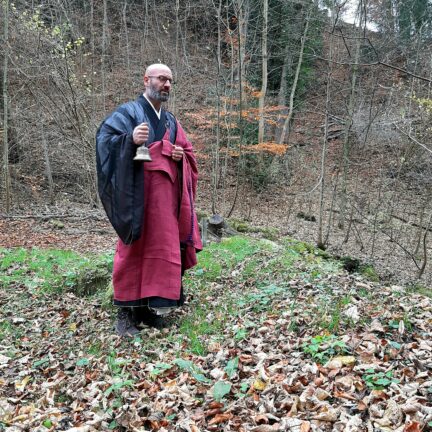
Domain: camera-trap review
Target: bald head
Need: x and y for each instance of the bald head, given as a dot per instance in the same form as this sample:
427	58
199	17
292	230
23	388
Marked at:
158	69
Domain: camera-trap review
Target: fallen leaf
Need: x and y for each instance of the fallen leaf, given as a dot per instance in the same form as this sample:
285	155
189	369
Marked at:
4	360
376	326
328	414
322	394
214	404
401	327
220	418
352	313
261	419
259	384
80	429
305	426
412	427
345	360
334	364
344	395
265	428
20	385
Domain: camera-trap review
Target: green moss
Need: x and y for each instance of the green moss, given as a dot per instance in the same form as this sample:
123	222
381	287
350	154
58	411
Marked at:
369	273
242	226
419	288
270	233
106	296
201	214
52	270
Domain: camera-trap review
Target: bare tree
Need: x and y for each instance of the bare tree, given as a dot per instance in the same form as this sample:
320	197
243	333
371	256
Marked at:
320	241
6	175
294	85
348	125
263	92
104	51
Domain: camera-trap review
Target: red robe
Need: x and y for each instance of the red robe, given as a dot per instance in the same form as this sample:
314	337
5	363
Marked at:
152	265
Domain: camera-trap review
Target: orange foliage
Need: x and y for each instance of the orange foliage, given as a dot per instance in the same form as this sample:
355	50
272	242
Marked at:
256	94
207	119
268	147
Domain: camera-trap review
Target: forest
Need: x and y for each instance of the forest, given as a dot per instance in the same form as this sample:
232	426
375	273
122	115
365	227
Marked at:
311	124
324	122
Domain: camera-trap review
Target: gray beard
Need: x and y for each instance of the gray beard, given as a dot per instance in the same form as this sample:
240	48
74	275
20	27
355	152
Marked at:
156	95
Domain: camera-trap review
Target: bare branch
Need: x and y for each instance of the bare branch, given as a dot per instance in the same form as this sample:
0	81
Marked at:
412	138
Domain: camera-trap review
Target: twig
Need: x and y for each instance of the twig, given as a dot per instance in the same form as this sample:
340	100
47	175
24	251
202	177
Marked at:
425	255
377	63
52	216
411	223
412	138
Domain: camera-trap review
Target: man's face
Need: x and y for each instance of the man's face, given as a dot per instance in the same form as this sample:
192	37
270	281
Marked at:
158	84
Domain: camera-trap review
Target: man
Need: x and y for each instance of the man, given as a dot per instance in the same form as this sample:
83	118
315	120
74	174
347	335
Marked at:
150	204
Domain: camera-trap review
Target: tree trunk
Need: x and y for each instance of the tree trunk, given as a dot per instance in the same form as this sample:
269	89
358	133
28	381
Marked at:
173	98
124	15
48	170
425	249
320	241
242	13
104	51
216	146
287	64
294	86
6	175
92	77
261	125
348	125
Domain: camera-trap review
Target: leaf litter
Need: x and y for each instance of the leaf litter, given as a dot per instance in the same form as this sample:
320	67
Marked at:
282	351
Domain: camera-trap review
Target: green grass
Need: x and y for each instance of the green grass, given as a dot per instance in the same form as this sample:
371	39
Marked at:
418	288
263	270
369	273
223	257
199	324
51	270
237	276
7	329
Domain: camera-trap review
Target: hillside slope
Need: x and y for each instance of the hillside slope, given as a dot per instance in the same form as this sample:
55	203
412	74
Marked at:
275	336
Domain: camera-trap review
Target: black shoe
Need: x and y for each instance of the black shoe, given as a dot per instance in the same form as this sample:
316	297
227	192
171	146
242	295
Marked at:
156	321
125	325
147	317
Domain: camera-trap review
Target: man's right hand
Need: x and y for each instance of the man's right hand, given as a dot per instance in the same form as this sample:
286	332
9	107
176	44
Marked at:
140	134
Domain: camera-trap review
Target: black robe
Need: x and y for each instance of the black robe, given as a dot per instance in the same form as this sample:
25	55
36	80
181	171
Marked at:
120	178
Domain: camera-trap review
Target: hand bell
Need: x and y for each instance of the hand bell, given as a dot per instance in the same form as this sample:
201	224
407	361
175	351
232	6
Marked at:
143	154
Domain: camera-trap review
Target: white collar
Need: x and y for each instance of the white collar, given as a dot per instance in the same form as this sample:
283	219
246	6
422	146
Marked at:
158	113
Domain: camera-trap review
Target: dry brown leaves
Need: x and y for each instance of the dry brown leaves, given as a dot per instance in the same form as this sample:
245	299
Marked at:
63	369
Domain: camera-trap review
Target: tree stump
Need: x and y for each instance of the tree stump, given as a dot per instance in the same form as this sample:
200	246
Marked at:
215	224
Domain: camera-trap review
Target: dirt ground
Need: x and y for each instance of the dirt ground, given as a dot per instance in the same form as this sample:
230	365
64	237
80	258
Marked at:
89	231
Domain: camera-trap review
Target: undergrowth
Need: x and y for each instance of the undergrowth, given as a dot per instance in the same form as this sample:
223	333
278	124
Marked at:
55	271
233	278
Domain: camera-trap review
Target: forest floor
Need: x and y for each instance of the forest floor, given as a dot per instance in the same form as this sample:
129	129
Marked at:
275	336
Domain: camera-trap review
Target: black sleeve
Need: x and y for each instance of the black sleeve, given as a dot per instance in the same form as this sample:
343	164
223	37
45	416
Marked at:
120	179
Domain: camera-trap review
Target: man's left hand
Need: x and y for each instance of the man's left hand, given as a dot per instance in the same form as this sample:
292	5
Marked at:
177	153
